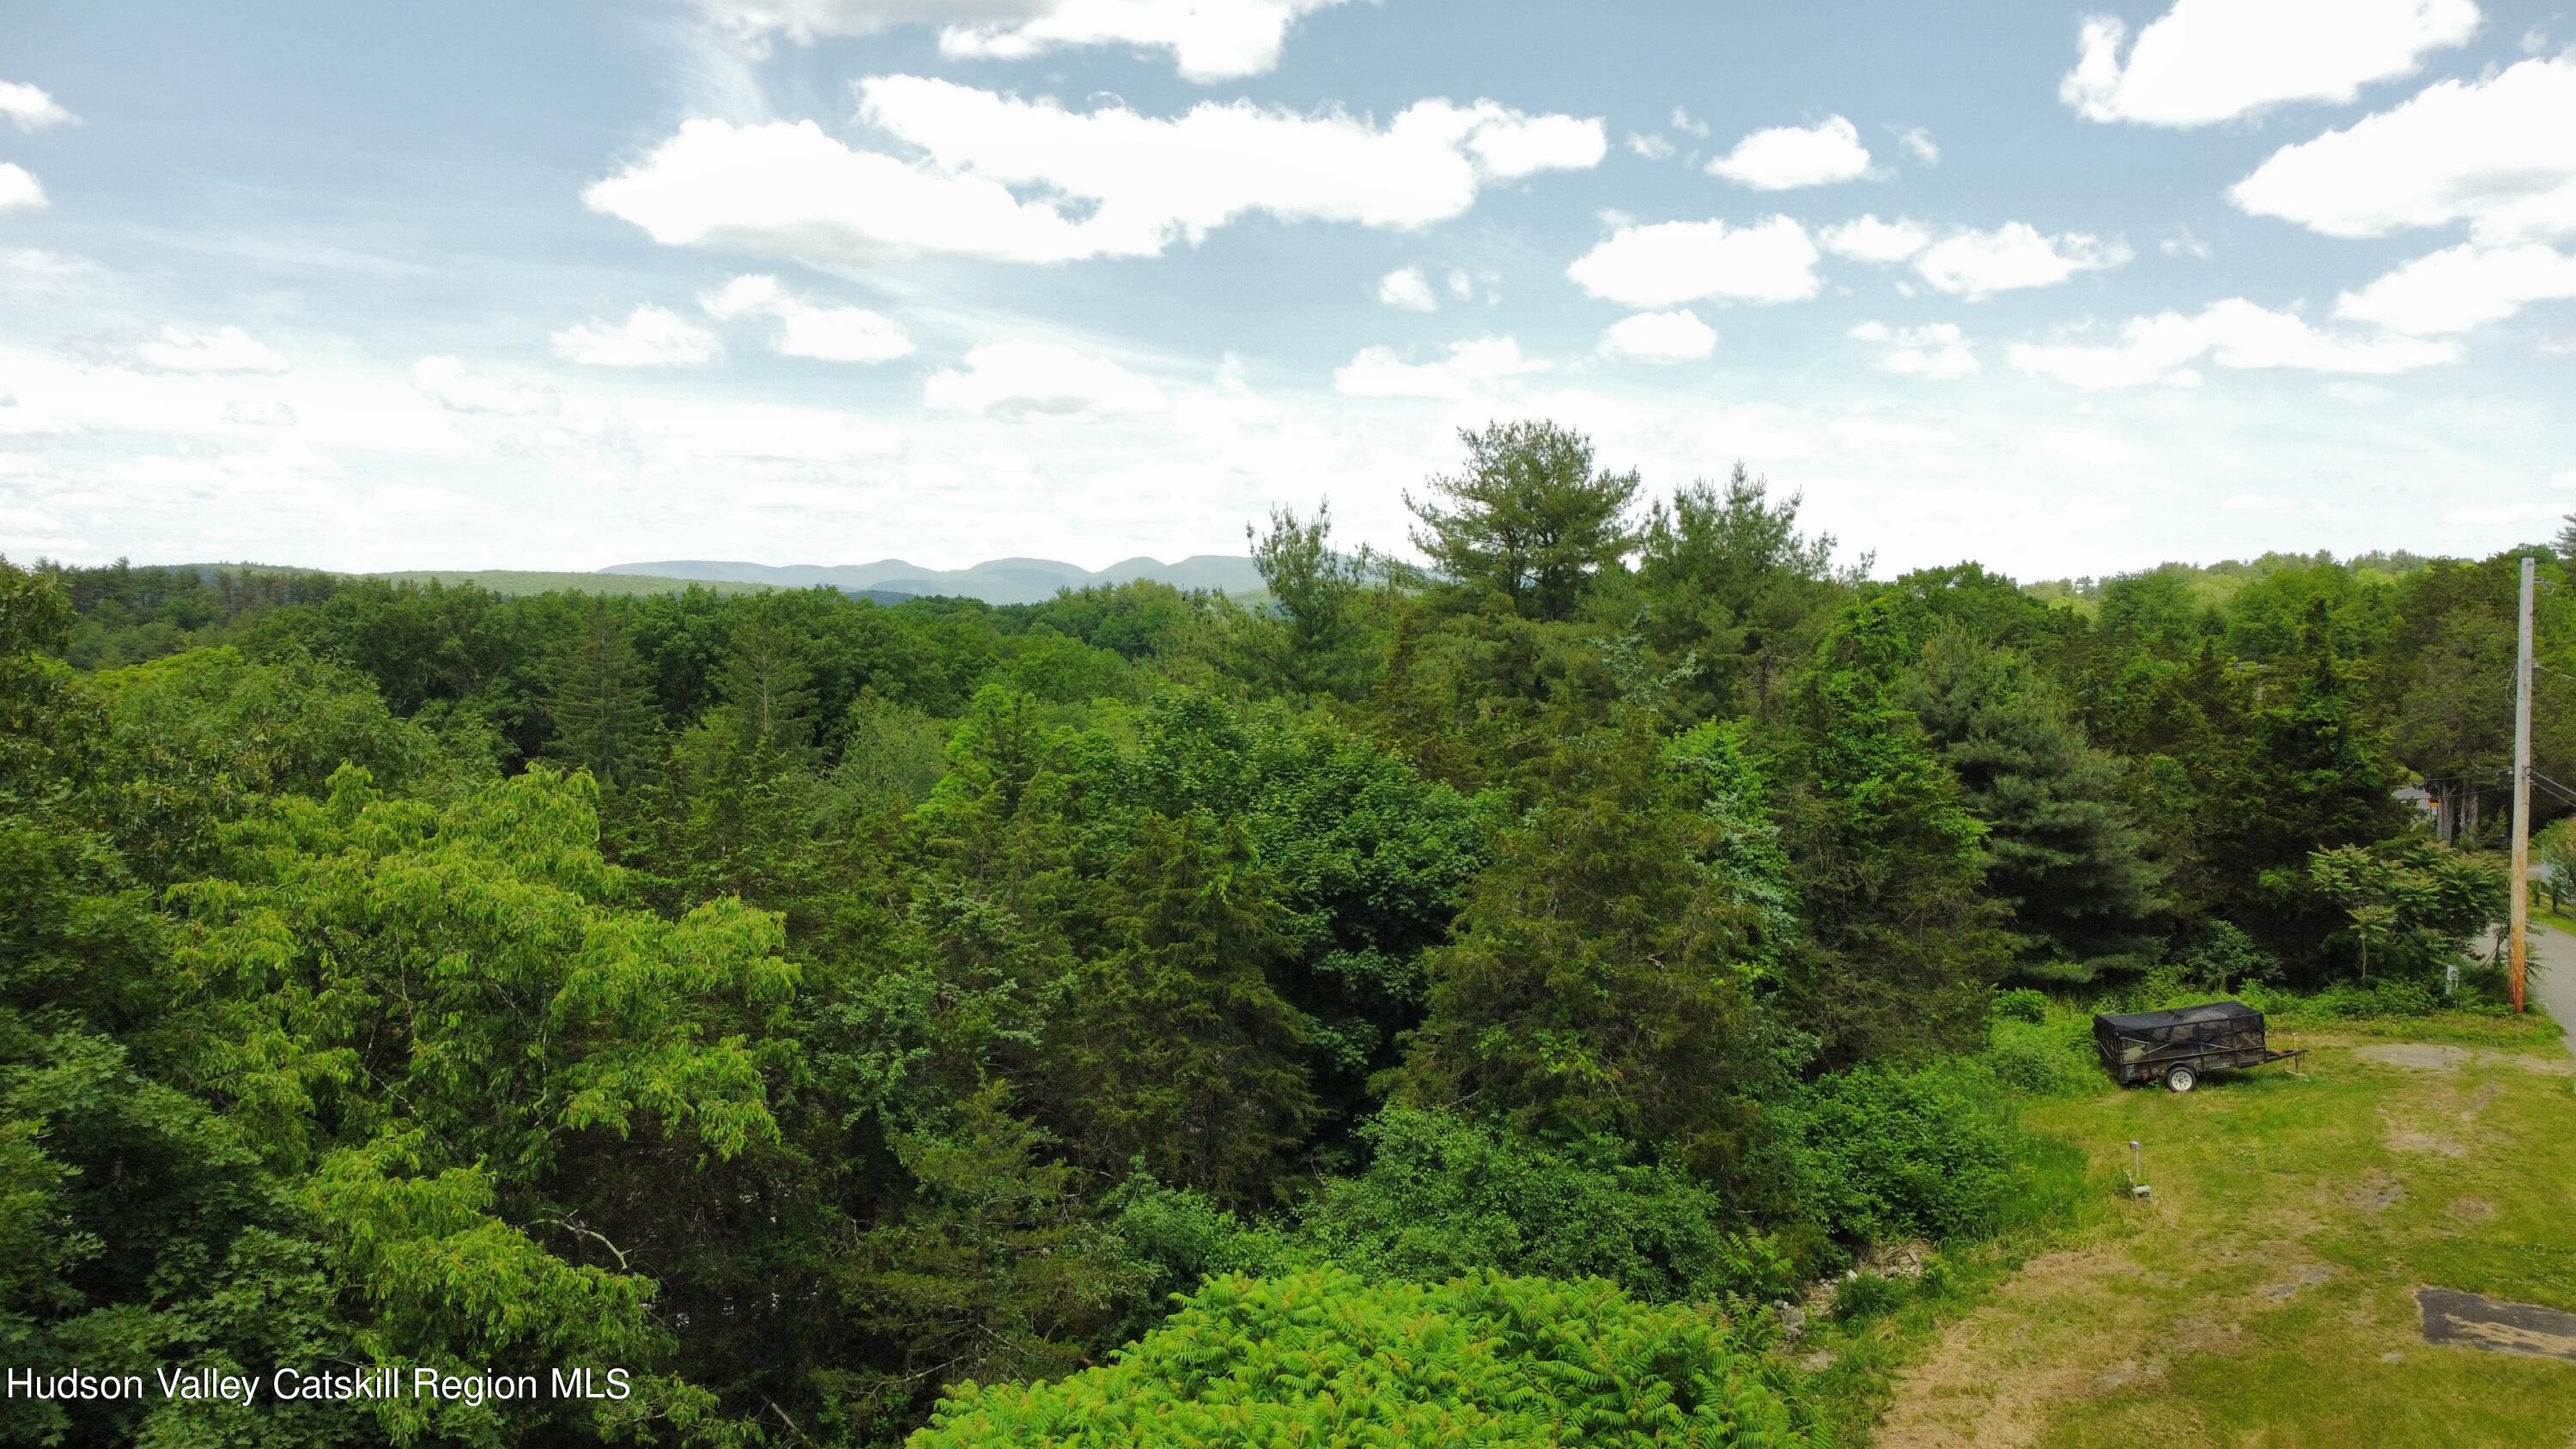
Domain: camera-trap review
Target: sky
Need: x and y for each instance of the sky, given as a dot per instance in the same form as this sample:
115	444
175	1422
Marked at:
2067	289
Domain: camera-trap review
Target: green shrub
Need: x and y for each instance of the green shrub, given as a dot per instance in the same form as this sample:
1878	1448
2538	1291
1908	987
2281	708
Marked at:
2019	1004
1868	1296
1326	1357
2046	1056
1885	1154
1177	1237
1445	1196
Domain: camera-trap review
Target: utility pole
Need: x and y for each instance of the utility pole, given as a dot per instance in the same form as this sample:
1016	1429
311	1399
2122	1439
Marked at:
2521	793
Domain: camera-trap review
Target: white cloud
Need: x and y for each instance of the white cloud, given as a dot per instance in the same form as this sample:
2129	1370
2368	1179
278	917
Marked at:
1869	239
1407	290
444	381
1677	336
649	337
1485	365
29	108
1683	122
2014	255
2494	153
2206	61
19	191
1039	379
1209	40
2457	289
177	350
1104	182
2234	333
1653	148
828	334
1918	143
1937	351
1783	158
1686	261
2183	244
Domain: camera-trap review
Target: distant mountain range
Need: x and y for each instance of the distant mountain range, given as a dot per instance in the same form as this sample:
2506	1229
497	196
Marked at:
996	581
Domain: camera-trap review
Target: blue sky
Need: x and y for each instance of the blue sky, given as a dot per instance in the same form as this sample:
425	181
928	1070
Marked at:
2065	288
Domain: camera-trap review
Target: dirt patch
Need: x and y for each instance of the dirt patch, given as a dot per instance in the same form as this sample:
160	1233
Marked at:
2001	1373
2471	1209
2307	1277
2410	1139
2430	1057
2377	1193
2467	1320
2416	1056
2546	1066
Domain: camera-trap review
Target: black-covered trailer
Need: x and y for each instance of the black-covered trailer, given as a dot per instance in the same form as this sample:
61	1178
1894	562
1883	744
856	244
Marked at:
2180	1044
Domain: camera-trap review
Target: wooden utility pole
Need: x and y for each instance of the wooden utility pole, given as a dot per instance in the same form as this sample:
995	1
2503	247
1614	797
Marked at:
2521	793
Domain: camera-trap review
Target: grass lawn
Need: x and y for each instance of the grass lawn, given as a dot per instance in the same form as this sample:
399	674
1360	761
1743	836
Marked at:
2264	1295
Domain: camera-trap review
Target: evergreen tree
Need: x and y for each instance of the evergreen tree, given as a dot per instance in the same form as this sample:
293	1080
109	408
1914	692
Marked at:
1531	518
1731	585
1309	644
1175	1047
769	692
1600	975
602	711
2063	851
1902	941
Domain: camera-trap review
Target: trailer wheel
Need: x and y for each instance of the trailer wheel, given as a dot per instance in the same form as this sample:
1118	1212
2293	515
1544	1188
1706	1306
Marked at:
2180	1078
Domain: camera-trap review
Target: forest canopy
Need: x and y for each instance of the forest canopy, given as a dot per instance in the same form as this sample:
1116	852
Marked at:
857	1019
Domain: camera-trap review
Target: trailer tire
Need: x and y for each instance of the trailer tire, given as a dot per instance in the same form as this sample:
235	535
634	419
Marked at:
2179	1078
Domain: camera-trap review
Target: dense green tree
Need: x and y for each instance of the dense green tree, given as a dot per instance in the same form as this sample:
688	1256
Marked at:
2062	850
1901	940
2406	904
1175	1049
1531	517
1598	976
1731	585
1308	643
602	712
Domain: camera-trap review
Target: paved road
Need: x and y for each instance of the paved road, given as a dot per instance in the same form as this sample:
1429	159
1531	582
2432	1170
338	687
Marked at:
2554	986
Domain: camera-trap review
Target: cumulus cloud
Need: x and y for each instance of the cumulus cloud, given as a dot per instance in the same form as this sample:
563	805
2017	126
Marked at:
1937	351
1485	365
2206	61
1021	380
1677	336
828	334
1784	158
19	191
2462	287
177	350
2494	153
1655	147
1103	182
30	109
1209	40
1869	239
1407	290
1918	143
1686	261
649	337
2013	256
446	382
2236	334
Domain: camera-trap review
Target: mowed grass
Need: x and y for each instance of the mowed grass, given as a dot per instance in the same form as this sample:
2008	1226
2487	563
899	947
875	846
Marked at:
2264	1294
